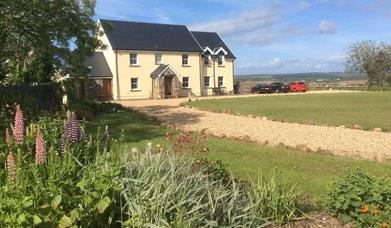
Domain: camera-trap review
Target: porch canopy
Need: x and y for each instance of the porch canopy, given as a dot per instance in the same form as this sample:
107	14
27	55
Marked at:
165	82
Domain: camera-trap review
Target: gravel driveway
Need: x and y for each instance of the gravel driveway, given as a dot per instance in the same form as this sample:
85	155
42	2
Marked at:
336	140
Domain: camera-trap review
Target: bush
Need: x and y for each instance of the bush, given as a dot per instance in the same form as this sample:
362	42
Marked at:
362	199
162	190
35	100
55	175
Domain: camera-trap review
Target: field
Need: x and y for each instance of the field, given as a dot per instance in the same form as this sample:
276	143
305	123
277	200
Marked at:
313	173
367	109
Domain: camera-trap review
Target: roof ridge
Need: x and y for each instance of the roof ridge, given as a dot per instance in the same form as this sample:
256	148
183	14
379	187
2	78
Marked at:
141	22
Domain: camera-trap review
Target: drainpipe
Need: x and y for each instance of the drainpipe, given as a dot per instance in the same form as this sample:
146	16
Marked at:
214	73
116	73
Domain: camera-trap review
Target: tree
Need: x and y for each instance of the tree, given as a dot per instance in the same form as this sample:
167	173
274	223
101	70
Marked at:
372	60
40	38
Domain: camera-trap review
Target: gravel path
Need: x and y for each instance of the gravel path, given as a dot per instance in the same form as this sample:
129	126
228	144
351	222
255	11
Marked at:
337	140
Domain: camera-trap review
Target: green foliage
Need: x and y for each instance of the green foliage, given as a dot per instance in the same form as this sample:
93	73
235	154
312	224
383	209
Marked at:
163	190
362	199
372	60
36	100
37	40
93	186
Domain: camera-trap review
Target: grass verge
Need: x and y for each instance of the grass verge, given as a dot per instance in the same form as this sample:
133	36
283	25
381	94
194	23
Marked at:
367	109
313	173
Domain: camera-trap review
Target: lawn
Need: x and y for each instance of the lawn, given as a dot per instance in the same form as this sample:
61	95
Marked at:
312	172
367	109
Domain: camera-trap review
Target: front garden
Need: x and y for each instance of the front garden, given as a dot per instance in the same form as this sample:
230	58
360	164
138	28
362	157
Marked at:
63	171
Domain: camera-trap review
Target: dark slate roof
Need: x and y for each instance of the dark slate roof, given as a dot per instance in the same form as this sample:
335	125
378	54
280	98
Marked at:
211	40
125	35
159	70
99	65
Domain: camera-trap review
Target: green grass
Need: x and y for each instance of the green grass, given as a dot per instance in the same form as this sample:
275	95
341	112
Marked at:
314	173
367	109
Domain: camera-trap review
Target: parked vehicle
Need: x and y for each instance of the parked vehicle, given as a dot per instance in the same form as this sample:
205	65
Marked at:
276	87
298	87
261	88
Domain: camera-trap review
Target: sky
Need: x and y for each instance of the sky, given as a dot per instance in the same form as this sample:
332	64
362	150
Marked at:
270	36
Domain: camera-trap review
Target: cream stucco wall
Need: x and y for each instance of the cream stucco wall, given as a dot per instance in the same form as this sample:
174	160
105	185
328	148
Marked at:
213	71
119	63
146	65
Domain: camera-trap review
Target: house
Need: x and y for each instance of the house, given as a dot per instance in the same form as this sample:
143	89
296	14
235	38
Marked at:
147	60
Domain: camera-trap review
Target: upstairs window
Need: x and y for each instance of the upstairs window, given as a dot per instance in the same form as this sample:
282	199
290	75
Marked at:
185	60
185	82
206	81
133	59
158	59
221	60
220	81
206	61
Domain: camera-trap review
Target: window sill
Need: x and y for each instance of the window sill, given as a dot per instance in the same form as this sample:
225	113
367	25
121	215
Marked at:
221	66
208	87
135	90
159	64
207	66
136	65
186	66
186	88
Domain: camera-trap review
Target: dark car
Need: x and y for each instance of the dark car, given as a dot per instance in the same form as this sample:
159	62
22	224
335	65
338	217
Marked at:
261	88
276	87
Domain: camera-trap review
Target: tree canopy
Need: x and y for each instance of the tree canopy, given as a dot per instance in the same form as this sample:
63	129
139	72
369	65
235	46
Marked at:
372	60
41	38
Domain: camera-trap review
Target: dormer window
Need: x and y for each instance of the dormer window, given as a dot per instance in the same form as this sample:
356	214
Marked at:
221	60
206	61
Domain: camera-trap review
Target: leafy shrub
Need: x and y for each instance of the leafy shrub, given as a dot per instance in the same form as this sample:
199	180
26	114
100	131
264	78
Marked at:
35	100
362	199
95	181
162	190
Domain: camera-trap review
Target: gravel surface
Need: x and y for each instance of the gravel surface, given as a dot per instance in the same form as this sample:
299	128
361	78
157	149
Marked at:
336	140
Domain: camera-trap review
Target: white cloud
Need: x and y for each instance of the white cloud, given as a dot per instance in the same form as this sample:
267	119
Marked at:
326	26
245	22
303	5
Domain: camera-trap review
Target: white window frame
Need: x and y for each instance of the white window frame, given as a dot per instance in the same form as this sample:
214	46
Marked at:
207	77
156	59
185	60
137	83
131	58
206	58
221	58
188	82
222	81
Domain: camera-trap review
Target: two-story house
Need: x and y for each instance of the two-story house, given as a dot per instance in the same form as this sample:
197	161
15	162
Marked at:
146	60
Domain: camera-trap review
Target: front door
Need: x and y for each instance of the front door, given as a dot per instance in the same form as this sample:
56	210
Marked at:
107	88
168	86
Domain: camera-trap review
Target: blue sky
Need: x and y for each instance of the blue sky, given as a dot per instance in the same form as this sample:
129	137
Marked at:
270	36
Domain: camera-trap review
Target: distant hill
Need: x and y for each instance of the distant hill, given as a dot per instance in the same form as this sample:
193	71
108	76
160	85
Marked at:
308	77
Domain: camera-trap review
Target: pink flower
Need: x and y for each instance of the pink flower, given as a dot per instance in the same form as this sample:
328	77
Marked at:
19	126
40	149
11	166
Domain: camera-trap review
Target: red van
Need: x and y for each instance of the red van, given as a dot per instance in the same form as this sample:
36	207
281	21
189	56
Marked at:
298	87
